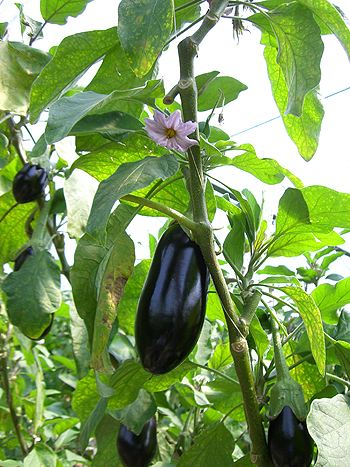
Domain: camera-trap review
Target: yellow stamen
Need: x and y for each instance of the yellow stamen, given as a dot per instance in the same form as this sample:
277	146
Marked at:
170	133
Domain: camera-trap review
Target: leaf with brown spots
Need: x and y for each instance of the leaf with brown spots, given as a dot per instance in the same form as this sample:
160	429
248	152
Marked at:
113	274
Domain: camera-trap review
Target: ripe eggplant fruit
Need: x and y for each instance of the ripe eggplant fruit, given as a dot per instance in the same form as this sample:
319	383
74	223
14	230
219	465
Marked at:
171	308
20	259
137	450
29	183
289	442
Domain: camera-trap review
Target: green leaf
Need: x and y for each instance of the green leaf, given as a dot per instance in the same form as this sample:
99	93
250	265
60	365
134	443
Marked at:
311	316
276	270
12	227
342	350
128	304
325	12
19	66
328	208
33	294
204	450
57	11
41	456
135	415
106	435
328	424
128	379
186	15
117	268
89	426
305	129
85	396
158	383
79	192
80	341
233	247
219	90
259	335
221	357
300	49
330	298
293	212
129	177
225	396
73	57
191	397
143	27
88	256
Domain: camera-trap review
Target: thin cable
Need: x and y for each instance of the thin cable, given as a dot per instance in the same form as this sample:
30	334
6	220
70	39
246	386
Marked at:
278	116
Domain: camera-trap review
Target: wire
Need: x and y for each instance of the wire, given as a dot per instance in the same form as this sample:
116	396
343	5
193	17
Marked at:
278	116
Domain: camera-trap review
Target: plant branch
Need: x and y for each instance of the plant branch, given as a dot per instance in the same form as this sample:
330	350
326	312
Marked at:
7	389
216	372
338	379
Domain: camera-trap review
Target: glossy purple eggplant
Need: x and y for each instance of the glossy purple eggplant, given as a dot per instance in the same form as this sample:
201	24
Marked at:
29	183
289	442
171	308
137	450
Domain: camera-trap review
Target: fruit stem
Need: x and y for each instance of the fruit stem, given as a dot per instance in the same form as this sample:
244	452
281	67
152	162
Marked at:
280	360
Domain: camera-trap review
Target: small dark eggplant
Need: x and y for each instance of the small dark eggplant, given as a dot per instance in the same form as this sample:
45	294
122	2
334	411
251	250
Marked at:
289	442
29	183
137	450
22	257
171	308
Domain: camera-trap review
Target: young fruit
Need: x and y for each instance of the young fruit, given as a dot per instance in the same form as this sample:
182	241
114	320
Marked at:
172	304
22	257
289	442
137	450
29	183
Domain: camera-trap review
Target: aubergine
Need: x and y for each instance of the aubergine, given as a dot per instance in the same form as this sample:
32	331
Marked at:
289	442
137	450
172	304
29	183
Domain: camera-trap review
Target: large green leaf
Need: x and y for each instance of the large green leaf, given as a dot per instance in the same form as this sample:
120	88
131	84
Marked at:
311	316
233	247
57	11
117	268
220	91
19	66
106	435
85	396
12	227
328	424
143	27
73	57
305	129
128	304
185	15
129	177
330	298
325	12
40	456
33	293
127	381
300	49
89	426
213	446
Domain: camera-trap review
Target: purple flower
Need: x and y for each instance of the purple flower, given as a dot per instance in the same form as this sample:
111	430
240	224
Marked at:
171	132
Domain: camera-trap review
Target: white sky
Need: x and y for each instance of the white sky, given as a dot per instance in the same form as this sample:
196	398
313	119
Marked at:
244	61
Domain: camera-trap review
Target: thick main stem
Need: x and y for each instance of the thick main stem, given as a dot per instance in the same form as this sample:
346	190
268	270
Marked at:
204	236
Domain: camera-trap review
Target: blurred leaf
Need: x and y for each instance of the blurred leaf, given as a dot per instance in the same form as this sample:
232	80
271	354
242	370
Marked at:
225	396
127	381
330	298
204	450
19	66
233	247
158	383
135	415
57	11
89	426
85	396
106	435
191	397
328	424
277	270
186	15
311	316
73	57
117	268
259	335
220	91
300	49
128	304
214	308
342	349
129	177
40	456
143	27
221	357
33	294
80	341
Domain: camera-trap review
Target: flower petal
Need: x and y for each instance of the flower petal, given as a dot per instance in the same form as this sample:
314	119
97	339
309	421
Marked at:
184	143
186	128
174	120
160	118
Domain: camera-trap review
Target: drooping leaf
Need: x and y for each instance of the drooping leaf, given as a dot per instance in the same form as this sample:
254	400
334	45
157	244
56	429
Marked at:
305	129
220	91
330	298
342	350
233	247
185	15
106	435
129	177
259	335
204	450
328	424
300	49
41	455
89	426
19	66
57	11
73	57
143	27
116	272
311	316
33	293
79	342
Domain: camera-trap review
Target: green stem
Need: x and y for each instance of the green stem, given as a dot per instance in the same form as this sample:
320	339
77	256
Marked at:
280	360
188	223
338	379
188	49
216	372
